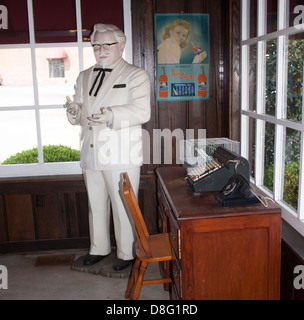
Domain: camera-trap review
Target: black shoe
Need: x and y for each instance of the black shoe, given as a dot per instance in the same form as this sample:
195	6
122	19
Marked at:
92	259
122	264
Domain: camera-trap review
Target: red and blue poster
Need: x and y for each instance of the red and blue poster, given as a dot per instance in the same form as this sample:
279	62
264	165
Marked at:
182	56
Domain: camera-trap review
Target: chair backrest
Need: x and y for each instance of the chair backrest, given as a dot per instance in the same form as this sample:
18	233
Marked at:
140	226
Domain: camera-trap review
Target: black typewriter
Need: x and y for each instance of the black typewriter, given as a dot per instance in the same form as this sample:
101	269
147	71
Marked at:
216	170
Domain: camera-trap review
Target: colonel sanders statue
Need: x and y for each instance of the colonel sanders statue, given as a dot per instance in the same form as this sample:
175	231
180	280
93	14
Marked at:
111	102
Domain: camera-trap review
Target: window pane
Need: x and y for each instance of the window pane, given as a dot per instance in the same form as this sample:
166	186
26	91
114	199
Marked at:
88	57
18	132
271	70
57	70
252	76
56	130
252	126
16	74
272	15
292	167
55	21
295	77
17	15
269	155
93	11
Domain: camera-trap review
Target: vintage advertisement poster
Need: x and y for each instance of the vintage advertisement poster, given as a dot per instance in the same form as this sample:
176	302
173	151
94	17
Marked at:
182	56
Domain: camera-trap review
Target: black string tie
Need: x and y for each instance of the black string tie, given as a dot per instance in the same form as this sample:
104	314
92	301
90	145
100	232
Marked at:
101	79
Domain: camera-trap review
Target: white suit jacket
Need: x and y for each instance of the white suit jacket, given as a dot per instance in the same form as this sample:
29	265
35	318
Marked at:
126	91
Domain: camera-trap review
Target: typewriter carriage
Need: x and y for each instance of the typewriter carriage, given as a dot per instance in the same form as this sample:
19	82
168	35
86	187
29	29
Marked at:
188	149
211	162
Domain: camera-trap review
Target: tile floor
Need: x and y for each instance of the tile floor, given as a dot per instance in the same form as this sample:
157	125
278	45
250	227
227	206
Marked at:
29	282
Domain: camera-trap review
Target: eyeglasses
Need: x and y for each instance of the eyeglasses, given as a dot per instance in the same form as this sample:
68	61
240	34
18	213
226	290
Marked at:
105	46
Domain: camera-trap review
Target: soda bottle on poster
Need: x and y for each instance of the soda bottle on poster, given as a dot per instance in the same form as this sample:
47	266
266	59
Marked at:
196	48
202	83
163	84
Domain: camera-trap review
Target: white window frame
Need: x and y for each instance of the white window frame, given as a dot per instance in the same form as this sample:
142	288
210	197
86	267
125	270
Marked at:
59	168
294	217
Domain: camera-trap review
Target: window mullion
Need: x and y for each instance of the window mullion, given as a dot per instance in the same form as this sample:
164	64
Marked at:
245	19
245	102
260	124
283	13
260	98
245	136
281	100
128	30
278	177
262	17
301	173
245	79
79	33
35	81
280	114
301	178
259	152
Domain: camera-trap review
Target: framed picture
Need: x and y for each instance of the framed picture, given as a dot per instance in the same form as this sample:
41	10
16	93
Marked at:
182	56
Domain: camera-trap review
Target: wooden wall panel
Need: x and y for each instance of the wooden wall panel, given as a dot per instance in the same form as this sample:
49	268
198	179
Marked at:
212	114
20	221
197	109
3	227
143	56
70	208
82	209
45	213
148	203
234	76
171	114
50	217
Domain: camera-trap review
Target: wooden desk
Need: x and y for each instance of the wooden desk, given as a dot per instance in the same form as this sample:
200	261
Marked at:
221	253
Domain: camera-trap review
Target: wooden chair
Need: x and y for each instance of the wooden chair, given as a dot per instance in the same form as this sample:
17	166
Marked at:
149	248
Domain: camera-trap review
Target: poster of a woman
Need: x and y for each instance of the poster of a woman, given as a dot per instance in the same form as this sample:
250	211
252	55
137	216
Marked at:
182	56
175	39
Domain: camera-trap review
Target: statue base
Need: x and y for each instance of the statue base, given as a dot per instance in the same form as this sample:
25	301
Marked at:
103	267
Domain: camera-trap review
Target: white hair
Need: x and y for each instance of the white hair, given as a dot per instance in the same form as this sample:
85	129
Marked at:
99	27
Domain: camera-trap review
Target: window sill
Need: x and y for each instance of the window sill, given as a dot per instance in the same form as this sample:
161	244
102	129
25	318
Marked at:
45	169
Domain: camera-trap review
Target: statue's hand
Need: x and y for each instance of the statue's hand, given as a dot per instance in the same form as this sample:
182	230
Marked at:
71	107
105	116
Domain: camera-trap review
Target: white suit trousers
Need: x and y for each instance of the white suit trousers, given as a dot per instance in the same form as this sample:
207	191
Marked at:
103	192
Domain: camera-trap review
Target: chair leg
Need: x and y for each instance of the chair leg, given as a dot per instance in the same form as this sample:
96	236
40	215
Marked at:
142	270
132	279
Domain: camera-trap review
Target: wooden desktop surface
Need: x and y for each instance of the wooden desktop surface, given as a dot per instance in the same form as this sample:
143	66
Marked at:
185	205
